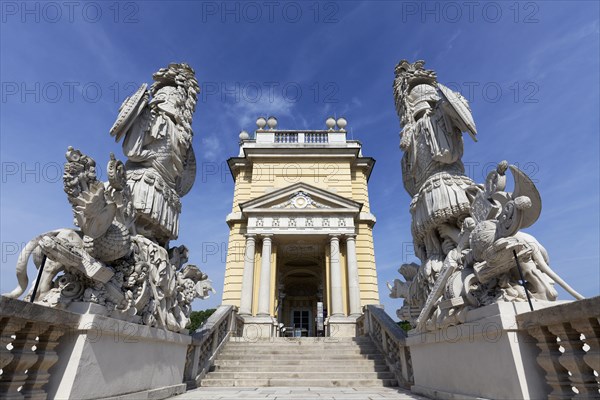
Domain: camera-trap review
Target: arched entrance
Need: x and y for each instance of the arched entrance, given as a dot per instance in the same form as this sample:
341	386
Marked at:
300	287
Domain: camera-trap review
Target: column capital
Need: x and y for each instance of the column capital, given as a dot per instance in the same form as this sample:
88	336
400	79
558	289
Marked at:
350	236
250	236
335	236
267	236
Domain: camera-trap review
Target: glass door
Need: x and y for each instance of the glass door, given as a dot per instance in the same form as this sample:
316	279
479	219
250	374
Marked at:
301	322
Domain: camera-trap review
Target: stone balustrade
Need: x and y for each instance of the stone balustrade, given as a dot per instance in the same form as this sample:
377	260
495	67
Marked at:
316	137
286	137
390	339
568	336
50	353
29	335
293	137
207	341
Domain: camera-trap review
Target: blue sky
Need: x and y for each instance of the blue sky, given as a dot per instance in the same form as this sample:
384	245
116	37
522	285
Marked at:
530	70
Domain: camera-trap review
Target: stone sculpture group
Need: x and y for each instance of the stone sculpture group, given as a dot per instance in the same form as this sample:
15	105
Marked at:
466	235
120	258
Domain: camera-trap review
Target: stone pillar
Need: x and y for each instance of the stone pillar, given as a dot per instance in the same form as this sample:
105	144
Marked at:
336	277
264	294
248	276
353	285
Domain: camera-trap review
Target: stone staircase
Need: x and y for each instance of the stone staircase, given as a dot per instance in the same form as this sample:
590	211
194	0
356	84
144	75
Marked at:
305	362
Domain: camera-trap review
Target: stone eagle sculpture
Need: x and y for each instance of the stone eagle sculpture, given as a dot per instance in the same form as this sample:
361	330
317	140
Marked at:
467	236
120	258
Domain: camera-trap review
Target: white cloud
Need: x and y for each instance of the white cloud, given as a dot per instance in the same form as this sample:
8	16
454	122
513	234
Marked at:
211	148
245	112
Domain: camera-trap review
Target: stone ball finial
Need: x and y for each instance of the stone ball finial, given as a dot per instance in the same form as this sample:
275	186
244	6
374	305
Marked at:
341	123
272	122
244	135
261	122
330	122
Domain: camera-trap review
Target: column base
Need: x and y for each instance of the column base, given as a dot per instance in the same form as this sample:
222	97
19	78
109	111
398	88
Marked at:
341	326
260	327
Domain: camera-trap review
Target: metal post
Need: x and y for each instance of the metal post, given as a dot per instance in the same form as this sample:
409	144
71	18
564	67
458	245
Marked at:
523	280
38	279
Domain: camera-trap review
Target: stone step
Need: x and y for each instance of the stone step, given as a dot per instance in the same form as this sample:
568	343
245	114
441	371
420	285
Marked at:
275	382
338	368
296	351
300	362
300	375
304	347
301	343
288	340
321	364
316	356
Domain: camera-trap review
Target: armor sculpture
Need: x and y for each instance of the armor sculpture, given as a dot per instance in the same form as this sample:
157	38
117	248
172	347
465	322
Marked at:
120	258
467	236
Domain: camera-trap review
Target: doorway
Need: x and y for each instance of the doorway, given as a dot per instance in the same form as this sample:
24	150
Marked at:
300	285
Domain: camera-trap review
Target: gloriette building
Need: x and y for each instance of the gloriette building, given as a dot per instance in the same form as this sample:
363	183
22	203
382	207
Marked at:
300	252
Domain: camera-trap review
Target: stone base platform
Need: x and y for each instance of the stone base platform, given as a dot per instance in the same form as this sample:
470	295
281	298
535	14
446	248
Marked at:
110	358
265	327
487	357
341	326
259	327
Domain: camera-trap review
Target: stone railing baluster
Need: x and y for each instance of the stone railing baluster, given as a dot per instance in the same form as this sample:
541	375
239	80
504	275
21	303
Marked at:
591	331
38	375
29	334
571	373
24	357
8	357
557	376
581	375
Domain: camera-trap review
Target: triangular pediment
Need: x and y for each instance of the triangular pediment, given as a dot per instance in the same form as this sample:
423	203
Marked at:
301	197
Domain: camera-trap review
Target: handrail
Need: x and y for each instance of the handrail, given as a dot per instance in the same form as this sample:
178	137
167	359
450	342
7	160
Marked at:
207	342
390	339
568	336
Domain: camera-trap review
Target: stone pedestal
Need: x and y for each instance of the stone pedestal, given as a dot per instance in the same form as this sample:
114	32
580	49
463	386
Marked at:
341	326
259	327
486	357
106	358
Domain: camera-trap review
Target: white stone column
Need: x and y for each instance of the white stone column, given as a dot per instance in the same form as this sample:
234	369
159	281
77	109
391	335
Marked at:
335	275
248	276
353	285
264	295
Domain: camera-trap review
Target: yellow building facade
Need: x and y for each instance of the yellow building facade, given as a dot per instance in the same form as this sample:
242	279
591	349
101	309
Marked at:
300	254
